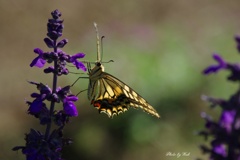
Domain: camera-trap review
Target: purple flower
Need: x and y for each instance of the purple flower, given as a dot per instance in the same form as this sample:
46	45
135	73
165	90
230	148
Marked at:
45	91
215	68
36	106
218	149
49	42
62	43
37	148
38	61
63	92
49	70
68	100
234	68
56	14
71	98
226	119
78	64
69	107
61	118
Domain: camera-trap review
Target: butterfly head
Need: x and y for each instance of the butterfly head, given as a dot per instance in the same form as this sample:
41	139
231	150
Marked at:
96	71
99	66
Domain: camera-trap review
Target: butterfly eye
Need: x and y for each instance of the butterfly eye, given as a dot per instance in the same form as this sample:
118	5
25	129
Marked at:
98	64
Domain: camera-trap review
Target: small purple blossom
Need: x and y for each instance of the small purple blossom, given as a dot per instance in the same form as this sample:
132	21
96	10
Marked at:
61	118
62	43
49	69
70	109
219	150
68	101
36	106
78	64
226	120
215	68
49	42
222	65
38	61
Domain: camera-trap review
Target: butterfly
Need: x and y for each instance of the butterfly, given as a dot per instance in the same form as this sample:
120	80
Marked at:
110	95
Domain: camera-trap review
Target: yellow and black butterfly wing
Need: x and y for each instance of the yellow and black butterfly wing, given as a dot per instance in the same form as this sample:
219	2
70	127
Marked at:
111	96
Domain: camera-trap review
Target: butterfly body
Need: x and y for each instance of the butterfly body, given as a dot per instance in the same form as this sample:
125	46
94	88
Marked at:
109	94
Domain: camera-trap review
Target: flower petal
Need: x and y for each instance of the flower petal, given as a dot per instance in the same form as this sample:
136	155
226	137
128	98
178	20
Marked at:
227	119
35	107
62	43
70	109
38	51
71	98
75	62
215	68
38	62
78	55
79	65
49	42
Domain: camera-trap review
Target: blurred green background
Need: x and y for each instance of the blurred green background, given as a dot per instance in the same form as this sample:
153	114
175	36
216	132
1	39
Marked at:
159	48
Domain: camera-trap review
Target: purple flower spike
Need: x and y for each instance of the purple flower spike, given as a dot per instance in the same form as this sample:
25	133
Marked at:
225	132
38	61
78	64
215	68
49	144
70	109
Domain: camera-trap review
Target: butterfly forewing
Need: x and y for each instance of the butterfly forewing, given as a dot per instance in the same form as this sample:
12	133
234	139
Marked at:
132	98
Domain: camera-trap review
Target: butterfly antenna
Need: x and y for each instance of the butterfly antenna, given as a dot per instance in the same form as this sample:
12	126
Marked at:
98	43
102	46
108	61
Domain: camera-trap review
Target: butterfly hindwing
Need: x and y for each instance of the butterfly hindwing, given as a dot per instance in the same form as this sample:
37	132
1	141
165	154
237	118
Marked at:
111	96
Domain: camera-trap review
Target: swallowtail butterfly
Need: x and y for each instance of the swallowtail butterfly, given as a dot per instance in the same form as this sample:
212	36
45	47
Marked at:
109	94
